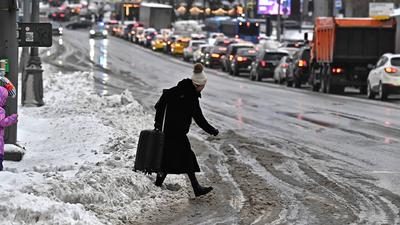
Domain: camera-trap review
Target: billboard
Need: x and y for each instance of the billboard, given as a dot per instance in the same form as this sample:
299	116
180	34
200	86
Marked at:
270	7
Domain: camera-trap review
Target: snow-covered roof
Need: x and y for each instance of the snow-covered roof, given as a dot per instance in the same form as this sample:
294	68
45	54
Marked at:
155	5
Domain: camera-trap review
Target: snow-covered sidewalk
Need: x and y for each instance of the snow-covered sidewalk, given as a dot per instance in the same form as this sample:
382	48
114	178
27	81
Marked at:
78	167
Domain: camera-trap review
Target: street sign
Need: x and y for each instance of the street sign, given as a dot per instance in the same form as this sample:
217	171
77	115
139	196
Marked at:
35	35
379	9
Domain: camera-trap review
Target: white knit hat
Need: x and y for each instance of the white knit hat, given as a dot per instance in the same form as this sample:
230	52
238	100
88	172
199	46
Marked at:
199	78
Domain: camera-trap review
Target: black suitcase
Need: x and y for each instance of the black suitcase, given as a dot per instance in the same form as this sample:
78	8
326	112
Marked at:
149	151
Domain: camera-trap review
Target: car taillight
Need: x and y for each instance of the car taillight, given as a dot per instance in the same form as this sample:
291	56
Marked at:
241	59
53	15
222	49
390	70
62	15
148	37
337	70
302	63
263	63
214	55
285	65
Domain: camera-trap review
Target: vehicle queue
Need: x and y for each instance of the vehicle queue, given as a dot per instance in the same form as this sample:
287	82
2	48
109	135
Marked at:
243	53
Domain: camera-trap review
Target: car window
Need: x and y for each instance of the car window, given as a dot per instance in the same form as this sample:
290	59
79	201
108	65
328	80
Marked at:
236	48
395	61
274	56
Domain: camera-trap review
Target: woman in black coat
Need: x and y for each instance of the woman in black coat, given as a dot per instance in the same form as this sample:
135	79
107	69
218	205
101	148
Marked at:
182	104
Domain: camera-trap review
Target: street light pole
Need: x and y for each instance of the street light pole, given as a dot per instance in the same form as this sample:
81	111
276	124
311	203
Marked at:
278	22
9	50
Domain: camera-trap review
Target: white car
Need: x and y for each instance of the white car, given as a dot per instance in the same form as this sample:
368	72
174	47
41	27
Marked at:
384	78
193	46
198	55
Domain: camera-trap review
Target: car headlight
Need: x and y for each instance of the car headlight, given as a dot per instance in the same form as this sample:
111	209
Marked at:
105	32
60	29
92	32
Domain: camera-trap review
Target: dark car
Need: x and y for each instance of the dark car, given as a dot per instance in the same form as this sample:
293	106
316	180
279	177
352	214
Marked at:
80	24
227	59
265	63
299	69
242	61
98	32
213	58
56	29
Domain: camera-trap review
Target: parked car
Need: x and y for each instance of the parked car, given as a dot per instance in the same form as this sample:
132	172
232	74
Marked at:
98	32
56	29
198	55
191	48
299	69
227	59
80	24
265	63
281	70
213	59
242	60
384	79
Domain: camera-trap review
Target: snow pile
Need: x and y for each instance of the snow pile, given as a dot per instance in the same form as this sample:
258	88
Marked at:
78	167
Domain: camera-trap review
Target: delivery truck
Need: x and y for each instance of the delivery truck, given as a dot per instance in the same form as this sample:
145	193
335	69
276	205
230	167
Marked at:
155	15
344	50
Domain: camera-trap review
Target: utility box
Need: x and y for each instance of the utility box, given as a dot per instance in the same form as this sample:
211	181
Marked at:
156	15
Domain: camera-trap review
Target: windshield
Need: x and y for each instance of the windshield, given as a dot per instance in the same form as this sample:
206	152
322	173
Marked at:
395	61
274	56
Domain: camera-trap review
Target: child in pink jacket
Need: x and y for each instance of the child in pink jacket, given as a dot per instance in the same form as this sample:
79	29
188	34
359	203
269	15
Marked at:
5	121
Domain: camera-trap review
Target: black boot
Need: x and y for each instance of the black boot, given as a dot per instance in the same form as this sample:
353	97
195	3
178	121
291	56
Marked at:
197	188
160	178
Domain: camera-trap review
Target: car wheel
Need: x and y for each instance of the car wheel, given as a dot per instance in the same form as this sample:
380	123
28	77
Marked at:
370	92
382	92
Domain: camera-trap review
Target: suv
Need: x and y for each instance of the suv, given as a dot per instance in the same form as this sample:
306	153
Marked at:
227	59
265	63
298	71
242	61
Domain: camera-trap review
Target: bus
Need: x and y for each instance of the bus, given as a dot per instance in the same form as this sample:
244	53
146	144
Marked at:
213	24
248	30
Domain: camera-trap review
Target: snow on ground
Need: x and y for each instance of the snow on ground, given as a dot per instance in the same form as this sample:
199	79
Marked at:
79	159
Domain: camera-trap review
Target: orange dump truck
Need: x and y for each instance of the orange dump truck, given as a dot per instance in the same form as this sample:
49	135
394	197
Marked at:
345	49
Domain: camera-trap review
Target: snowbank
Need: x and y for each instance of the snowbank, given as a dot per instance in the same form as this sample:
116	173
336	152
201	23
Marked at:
78	165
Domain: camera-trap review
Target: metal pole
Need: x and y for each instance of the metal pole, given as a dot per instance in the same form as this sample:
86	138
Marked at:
25	50
278	22
35	63
123	13
9	50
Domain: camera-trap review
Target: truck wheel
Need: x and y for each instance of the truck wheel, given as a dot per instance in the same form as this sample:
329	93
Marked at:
382	92
370	92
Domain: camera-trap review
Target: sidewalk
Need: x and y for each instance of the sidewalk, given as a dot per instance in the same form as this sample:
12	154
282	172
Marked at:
78	165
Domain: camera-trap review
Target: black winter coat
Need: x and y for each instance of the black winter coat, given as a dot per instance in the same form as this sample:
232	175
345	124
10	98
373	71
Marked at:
182	102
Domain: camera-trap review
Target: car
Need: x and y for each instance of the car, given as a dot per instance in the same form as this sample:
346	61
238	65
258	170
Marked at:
98	31
59	15
198	55
80	24
131	32
56	29
384	78
299	68
157	43
242	60
167	45
178	46
213	57
226	60
264	64
148	34
191	48
281	70
139	36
